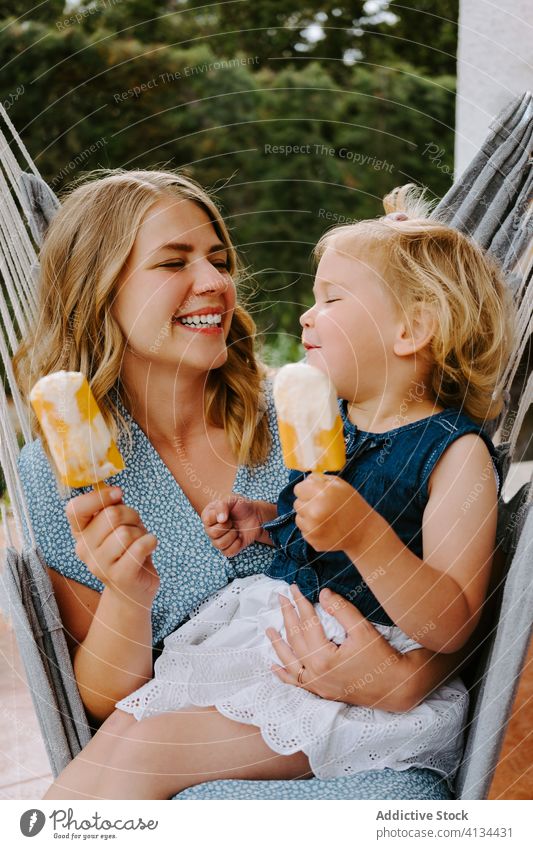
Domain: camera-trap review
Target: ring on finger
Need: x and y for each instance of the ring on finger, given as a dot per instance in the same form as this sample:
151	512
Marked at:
299	679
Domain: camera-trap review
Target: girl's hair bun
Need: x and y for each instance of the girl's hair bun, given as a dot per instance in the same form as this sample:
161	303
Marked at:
405	202
397	216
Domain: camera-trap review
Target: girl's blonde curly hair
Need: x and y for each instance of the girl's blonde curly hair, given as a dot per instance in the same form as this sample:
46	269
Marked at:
426	263
83	255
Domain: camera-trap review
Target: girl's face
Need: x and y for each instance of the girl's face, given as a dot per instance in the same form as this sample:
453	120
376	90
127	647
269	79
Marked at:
176	297
349	333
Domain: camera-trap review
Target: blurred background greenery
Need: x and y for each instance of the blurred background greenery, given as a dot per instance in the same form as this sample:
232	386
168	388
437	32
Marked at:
298	115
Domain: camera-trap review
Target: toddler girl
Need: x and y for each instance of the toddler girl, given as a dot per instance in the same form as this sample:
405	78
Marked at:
411	323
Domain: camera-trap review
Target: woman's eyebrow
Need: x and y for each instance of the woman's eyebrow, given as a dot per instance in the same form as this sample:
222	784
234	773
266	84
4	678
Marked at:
216	249
187	248
174	246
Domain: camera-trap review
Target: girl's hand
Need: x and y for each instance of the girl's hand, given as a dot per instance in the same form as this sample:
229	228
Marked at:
232	523
329	512
364	670
114	544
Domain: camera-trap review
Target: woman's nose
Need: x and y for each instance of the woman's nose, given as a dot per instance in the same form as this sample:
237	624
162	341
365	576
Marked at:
207	278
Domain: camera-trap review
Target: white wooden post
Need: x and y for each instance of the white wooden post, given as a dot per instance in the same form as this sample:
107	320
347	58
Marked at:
494	63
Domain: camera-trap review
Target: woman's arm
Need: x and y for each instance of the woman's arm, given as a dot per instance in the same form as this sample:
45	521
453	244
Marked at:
365	670
109	633
110	644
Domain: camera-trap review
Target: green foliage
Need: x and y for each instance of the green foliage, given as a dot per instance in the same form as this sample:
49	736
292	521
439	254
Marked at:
237	93
424	34
48	12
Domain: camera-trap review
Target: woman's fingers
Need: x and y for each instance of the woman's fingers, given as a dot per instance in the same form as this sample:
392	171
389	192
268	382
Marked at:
283	674
106	521
111	518
306	645
137	560
104	524
293	629
283	651
117	542
81	509
346	613
310	624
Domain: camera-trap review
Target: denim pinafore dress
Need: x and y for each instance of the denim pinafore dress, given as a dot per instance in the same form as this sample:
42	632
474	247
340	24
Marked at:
391	470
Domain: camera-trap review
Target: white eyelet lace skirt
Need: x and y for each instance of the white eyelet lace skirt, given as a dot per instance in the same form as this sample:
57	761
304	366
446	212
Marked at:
222	657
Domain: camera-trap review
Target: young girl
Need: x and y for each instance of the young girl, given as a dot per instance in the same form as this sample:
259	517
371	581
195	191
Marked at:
411	323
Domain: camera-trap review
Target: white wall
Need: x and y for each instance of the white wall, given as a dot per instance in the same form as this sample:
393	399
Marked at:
494	63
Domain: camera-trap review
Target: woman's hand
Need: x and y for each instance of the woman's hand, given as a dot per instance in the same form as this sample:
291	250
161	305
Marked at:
365	670
234	522
114	544
329	512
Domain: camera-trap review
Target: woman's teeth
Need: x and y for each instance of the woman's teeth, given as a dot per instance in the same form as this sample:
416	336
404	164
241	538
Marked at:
201	320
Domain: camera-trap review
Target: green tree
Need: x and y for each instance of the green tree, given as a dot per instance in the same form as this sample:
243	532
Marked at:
48	12
422	33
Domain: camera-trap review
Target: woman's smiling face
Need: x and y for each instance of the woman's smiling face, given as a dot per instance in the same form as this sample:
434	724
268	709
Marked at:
350	331
176	296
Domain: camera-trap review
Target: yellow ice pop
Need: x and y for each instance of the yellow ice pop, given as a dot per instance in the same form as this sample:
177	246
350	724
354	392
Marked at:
79	439
310	426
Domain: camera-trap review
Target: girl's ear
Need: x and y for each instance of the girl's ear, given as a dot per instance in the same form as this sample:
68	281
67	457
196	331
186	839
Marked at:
416	331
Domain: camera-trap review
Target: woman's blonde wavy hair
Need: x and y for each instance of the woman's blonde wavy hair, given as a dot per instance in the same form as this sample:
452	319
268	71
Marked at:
84	252
426	263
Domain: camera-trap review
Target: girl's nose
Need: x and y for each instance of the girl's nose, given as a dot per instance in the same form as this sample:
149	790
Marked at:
307	319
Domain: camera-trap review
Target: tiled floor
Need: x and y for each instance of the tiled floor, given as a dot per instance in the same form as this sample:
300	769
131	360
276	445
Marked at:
24	769
514	776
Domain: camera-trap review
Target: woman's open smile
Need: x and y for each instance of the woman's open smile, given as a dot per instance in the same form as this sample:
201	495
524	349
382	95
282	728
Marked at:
206	320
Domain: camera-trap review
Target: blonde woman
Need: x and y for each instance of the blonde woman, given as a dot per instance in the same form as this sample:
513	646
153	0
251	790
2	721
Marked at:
138	291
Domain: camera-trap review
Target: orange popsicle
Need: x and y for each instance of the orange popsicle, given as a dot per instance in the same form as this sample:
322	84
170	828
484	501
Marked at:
310	426
79	439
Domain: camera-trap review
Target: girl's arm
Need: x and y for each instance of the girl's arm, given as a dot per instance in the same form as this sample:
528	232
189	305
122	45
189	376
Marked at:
234	522
436	600
109	633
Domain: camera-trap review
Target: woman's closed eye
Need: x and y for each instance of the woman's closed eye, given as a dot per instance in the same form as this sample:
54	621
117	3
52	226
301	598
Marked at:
220	264
176	263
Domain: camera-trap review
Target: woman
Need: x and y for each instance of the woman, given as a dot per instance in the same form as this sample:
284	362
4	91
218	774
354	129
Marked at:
138	291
